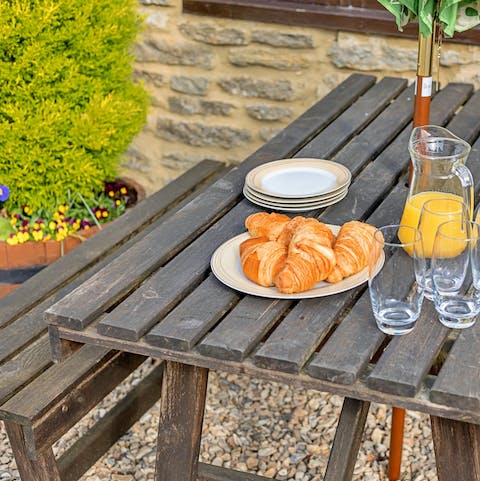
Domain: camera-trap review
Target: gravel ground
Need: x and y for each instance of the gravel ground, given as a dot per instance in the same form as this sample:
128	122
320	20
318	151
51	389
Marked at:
265	428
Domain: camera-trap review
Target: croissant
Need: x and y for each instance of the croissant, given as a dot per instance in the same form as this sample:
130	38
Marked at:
352	249
263	224
310	257
262	259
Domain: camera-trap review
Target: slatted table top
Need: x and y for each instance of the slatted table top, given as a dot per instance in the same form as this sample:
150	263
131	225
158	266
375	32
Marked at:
160	298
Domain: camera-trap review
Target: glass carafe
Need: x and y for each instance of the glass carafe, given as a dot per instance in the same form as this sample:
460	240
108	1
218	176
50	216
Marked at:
438	159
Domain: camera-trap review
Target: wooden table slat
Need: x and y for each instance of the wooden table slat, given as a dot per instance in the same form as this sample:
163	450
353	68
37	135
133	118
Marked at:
458	382
467	125
132	318
241	330
292	343
360	114
393	373
194	316
379	133
24	366
350	348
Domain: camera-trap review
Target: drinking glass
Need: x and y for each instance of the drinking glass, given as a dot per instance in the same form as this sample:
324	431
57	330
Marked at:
455	273
435	212
396	287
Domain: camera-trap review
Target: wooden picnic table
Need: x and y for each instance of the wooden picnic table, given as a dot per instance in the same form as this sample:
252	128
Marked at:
160	299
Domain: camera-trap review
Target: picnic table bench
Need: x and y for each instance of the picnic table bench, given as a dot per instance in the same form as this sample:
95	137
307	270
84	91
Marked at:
175	310
39	400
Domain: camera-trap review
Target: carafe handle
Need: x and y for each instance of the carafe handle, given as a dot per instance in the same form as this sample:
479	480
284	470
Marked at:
466	179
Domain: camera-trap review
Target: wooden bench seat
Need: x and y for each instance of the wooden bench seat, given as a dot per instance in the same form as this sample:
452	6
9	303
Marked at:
39	400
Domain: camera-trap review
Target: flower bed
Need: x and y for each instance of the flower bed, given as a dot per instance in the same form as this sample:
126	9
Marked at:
33	239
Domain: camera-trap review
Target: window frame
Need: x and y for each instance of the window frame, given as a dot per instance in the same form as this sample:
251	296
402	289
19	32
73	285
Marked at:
365	16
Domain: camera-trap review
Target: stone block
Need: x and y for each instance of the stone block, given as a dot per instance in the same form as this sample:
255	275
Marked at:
267	134
183	161
179	53
282	39
216	107
250	56
213	34
371	53
189	85
158	20
153	78
201	135
267	112
257	88
183	105
188	106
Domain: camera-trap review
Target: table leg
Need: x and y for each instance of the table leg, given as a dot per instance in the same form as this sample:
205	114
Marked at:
181	415
347	440
457	449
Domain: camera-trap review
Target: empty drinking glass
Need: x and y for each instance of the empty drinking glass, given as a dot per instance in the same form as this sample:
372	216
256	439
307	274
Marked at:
455	273
435	212
396	287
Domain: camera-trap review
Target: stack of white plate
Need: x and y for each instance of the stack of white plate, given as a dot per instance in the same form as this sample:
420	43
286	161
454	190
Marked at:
296	185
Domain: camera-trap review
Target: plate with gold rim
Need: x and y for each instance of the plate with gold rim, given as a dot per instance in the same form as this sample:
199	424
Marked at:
298	207
298	177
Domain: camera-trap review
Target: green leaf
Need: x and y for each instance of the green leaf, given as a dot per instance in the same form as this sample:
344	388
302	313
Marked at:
5	228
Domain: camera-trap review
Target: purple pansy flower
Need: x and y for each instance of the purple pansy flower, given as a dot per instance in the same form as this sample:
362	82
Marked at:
4	193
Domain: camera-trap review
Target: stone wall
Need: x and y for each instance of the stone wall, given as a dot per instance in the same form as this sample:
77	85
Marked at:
220	88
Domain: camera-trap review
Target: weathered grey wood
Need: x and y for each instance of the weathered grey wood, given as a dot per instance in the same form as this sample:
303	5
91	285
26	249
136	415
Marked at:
121	323
467	125
20	330
293	342
393	372
181	415
43	468
309	124
350	348
243	328
50	278
207	472
136	315
23	367
97	440
346	443
194	316
360	114
457	449
60	348
358	390
195	216
64	389
458	382
371	186
379	133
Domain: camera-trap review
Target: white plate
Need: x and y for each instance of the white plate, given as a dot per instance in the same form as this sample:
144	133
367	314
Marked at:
294	200
225	264
302	177
296	207
288	203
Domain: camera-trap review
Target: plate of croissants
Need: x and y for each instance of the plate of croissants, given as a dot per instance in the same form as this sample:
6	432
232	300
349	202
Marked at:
295	258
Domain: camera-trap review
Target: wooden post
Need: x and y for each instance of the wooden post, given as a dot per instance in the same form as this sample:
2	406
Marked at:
457	449
44	468
181	415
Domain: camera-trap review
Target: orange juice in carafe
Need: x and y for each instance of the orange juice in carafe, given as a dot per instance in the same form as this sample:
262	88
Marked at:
438	159
448	203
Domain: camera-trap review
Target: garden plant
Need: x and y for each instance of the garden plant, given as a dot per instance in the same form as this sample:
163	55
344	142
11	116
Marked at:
69	108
